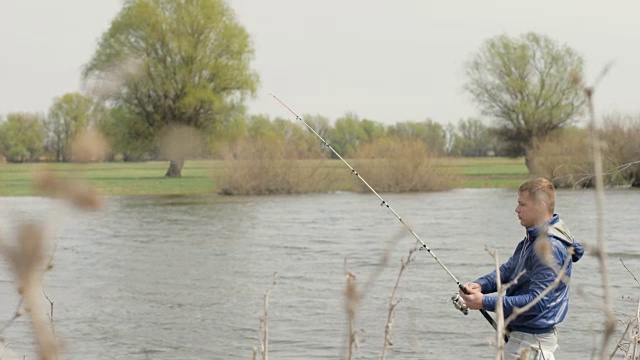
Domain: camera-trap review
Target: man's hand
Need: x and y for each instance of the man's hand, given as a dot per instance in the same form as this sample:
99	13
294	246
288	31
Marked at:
473	288
474	299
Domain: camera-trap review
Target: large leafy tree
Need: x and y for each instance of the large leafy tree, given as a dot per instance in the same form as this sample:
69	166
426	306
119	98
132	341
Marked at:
22	137
349	132
526	84
128	134
175	62
428	131
68	117
474	138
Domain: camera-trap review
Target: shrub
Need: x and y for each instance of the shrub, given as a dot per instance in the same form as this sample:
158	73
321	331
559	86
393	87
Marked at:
565	158
267	165
393	165
622	137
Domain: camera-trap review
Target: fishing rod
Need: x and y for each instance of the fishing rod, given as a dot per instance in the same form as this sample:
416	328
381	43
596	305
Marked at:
457	301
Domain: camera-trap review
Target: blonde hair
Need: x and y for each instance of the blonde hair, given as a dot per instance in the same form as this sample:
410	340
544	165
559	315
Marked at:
543	190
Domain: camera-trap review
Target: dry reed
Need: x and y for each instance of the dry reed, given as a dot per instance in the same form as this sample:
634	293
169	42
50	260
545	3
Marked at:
395	165
263	166
263	331
27	256
630	339
600	251
567	157
393	304
352	299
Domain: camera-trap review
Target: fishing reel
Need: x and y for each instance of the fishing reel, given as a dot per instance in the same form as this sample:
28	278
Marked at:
458	303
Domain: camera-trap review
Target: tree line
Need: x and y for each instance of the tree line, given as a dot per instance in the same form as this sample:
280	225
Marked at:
28	137
168	64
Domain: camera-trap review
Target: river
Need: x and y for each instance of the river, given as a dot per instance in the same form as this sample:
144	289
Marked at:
178	277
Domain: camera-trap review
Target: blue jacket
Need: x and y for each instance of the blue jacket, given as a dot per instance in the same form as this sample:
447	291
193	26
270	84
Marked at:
552	309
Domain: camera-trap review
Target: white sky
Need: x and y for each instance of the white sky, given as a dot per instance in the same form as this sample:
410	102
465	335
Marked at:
387	61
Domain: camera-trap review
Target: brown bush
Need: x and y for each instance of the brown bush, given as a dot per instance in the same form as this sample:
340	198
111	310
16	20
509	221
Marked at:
622	136
394	165
265	165
567	157
564	158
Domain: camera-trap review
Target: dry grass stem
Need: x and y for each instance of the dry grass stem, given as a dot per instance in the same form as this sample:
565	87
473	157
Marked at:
500	328
524	354
263	332
90	146
179	142
610	322
543	250
26	259
502	290
76	193
384	261
5	352
625	266
352	299
392	304
561	275
622	342
16	314
630	338
636	333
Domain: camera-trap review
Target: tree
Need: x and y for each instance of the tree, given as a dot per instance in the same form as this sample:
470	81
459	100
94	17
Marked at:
429	131
22	137
349	132
127	133
290	136
68	117
320	124
450	138
191	65
526	84
474	138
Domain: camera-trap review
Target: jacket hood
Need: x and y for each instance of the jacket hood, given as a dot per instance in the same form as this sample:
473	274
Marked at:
557	229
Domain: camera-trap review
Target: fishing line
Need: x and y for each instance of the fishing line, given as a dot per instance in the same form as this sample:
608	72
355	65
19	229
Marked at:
456	300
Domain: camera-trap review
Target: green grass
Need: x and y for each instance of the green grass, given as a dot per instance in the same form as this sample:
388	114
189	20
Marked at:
115	178
488	172
198	177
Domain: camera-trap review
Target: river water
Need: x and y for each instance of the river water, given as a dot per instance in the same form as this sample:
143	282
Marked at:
185	277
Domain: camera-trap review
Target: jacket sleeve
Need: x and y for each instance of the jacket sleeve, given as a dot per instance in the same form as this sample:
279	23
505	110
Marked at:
541	276
489	283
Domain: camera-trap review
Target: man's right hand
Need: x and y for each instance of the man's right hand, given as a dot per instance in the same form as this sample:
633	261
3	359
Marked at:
473	288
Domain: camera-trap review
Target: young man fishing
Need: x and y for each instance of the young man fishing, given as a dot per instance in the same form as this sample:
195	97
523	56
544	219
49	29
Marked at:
534	329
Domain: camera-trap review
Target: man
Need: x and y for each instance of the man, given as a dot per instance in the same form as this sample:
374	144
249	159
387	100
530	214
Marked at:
535	328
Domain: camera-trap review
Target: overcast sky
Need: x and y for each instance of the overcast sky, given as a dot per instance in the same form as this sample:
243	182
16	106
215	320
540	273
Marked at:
387	61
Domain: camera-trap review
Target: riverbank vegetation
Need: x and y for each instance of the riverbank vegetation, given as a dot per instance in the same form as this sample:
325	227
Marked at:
214	176
281	157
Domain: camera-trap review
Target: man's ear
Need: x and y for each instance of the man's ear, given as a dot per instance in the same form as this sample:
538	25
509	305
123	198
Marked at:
542	205
545	208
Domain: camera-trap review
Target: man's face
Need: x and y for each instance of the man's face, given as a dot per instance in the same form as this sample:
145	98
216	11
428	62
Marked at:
530	210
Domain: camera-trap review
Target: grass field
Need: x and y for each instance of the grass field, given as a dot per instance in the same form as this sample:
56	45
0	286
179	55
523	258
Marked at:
198	177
